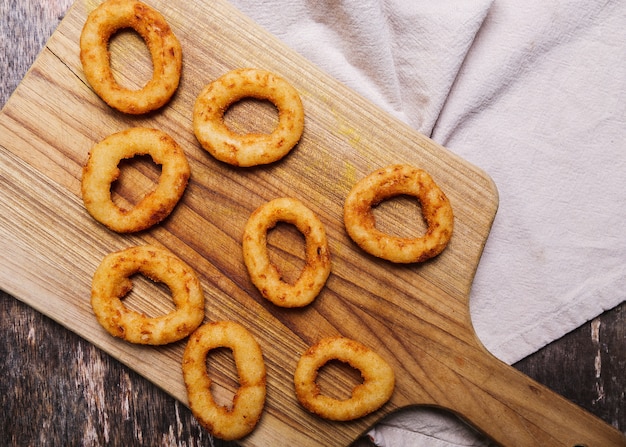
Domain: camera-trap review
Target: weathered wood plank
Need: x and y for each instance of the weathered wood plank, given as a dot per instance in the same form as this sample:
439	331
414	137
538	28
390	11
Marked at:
587	366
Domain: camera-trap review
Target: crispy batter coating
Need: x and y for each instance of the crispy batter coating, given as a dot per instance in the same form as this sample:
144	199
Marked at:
111	282
393	181
264	274
249	401
249	149
165	51
375	390
102	169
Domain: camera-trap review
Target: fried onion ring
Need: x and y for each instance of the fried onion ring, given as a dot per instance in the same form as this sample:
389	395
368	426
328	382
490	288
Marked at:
102	169
111	282
389	182
165	51
249	149
264	274
249	401
375	390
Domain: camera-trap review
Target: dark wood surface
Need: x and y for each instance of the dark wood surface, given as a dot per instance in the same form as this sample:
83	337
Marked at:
58	389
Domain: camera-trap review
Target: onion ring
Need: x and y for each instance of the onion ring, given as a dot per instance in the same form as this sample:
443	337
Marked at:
111	282
165	51
254	148
240	420
102	169
375	390
393	181
264	274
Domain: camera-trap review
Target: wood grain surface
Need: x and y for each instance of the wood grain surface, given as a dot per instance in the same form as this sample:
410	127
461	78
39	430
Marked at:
45	183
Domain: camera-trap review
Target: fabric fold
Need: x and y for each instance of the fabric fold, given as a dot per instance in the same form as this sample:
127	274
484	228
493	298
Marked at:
402	56
540	105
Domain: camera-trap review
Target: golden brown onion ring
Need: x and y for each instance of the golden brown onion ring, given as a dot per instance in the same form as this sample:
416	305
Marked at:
254	148
249	401
102	169
165	51
376	389
389	182
111	282
264	274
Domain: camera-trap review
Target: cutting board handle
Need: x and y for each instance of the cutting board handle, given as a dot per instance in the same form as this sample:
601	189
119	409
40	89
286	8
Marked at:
514	410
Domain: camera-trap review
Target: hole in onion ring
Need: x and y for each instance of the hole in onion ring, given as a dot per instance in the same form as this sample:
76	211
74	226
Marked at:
222	370
337	379
286	247
151	298
251	116
138	176
130	59
400	216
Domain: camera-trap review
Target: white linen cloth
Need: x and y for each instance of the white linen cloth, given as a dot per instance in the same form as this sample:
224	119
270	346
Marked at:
534	93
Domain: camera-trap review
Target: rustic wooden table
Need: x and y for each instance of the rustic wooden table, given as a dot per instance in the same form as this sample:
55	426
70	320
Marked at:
58	389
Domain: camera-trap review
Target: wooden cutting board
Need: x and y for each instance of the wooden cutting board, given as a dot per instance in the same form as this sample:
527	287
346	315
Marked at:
415	316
